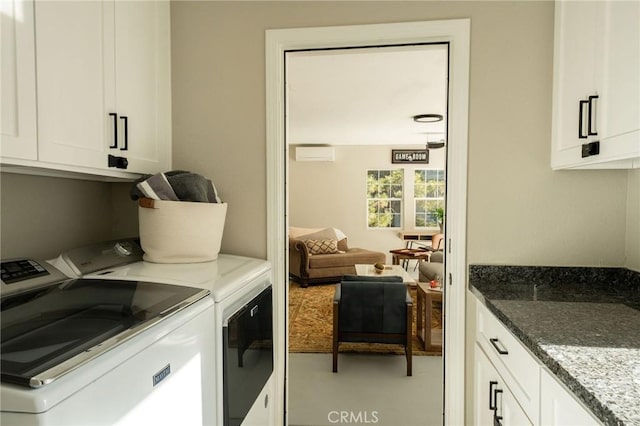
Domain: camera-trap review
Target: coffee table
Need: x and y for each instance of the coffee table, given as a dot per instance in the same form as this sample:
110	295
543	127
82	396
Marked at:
369	270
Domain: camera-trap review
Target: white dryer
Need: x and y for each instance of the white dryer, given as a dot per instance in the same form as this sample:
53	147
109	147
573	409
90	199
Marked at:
240	288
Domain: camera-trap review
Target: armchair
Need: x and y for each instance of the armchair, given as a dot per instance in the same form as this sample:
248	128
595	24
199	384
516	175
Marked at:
428	271
372	310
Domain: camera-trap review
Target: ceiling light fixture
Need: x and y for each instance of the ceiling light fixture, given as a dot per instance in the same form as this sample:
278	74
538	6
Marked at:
427	118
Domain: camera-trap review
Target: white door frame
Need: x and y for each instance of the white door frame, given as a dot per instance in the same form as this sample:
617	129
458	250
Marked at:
457	34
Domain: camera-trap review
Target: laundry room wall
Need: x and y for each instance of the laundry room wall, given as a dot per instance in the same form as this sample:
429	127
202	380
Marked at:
519	210
45	216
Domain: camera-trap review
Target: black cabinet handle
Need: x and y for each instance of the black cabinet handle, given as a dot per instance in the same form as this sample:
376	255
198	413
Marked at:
581	135
591	148
115	129
497	420
492	401
126	132
117	162
591	122
494	342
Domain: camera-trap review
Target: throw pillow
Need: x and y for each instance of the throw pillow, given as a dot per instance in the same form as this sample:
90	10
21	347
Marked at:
322	246
326	234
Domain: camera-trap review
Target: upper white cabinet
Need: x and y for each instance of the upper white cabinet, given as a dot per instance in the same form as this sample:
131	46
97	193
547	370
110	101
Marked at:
596	85
103	79
75	55
18	94
103	75
143	83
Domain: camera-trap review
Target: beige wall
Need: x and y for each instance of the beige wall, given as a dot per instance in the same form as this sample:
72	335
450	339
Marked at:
633	221
519	211
44	216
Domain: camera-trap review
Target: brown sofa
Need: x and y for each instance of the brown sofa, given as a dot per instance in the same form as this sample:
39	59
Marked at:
309	267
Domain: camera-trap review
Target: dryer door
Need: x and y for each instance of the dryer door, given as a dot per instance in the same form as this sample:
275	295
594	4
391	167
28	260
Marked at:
247	357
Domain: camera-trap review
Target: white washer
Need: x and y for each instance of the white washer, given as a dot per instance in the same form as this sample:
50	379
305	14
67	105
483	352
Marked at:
233	282
102	352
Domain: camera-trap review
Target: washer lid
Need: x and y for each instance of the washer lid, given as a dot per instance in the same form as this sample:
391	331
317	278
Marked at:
223	277
51	331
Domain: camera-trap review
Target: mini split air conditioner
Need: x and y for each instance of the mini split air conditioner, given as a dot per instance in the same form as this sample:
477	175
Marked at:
315	153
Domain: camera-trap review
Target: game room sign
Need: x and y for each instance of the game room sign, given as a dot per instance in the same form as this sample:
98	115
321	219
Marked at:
417	156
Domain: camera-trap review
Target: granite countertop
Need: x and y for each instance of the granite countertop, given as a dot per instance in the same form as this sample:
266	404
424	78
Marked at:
582	323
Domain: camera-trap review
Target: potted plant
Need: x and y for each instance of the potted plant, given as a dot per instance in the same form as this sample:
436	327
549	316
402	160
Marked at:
439	211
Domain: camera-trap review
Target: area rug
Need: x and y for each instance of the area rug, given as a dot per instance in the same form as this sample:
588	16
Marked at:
311	324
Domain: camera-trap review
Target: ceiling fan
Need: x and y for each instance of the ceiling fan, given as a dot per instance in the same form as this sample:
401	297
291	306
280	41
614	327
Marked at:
439	140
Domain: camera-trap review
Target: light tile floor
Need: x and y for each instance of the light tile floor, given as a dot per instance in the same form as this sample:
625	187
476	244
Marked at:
367	389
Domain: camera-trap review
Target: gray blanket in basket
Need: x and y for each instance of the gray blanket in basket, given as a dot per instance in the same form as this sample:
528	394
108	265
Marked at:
176	185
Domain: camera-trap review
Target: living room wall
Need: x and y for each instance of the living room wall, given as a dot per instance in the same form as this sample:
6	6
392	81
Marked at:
333	194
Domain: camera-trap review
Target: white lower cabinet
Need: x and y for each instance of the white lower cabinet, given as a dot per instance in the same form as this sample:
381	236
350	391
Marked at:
519	369
558	407
512	387
494	402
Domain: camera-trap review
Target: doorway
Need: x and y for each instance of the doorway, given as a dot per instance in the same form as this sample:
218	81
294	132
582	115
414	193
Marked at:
359	104
454	32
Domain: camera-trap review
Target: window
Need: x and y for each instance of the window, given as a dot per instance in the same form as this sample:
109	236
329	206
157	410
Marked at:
429	191
384	198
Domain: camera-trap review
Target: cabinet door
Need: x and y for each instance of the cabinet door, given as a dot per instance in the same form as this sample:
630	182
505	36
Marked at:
559	408
485	374
517	366
493	401
596	90
18	123
575	53
74	51
142	46
620	73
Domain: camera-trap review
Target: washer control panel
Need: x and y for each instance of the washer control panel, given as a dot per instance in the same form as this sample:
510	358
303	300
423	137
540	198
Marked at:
22	269
103	255
23	274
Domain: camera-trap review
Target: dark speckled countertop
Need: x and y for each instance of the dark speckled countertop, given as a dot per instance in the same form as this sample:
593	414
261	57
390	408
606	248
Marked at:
582	323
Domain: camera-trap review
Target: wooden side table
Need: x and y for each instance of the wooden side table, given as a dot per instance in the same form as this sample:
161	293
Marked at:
408	254
425	299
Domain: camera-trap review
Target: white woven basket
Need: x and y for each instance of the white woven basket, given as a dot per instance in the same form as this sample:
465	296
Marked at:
180	232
